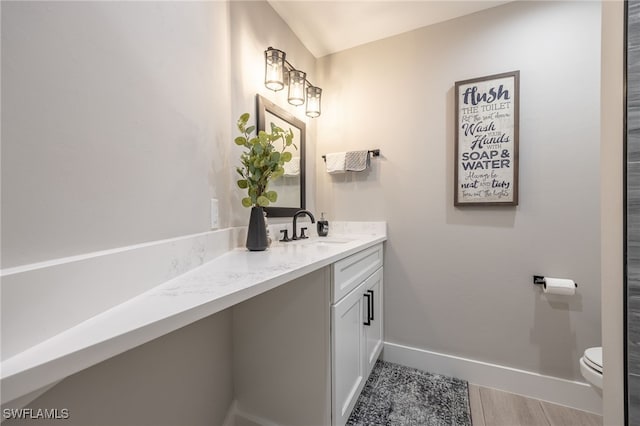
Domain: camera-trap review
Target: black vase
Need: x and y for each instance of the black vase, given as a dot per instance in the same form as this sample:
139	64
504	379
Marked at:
257	232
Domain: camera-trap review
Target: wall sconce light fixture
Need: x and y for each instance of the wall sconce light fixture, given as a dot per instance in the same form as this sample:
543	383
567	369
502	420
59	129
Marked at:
278	72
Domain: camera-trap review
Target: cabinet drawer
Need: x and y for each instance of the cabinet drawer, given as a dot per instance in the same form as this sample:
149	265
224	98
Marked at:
348	273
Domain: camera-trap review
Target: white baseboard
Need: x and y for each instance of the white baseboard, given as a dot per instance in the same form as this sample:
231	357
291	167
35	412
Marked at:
230	418
533	385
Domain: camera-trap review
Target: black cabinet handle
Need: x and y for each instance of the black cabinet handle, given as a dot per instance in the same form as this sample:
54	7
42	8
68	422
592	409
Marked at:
368	321
372	303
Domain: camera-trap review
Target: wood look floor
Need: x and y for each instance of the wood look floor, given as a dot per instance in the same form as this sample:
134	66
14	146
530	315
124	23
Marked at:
491	407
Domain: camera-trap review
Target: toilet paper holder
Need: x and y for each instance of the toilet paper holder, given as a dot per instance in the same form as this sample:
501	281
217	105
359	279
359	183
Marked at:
539	280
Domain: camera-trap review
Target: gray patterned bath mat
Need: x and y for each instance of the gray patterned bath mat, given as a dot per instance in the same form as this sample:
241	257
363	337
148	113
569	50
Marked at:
396	395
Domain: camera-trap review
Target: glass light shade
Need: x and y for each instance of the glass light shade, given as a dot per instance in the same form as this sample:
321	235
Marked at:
296	87
274	69
313	101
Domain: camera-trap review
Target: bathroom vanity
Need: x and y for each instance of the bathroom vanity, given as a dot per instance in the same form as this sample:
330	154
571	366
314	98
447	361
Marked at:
307	320
303	351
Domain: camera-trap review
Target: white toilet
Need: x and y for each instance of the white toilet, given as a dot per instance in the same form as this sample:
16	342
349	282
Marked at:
591	366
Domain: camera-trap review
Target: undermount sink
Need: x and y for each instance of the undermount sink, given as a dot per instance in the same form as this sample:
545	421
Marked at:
320	241
331	241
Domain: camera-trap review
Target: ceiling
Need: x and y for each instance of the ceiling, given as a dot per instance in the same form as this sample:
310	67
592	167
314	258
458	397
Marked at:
326	26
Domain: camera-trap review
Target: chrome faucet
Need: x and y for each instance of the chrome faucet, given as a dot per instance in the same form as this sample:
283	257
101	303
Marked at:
295	219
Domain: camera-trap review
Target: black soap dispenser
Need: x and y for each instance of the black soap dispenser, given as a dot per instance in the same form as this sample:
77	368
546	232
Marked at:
323	226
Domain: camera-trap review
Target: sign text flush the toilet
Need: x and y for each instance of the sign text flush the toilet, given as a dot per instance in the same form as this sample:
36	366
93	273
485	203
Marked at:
486	140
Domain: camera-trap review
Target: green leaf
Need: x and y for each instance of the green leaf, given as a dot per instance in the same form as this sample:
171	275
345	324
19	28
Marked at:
262	160
242	122
277	173
272	196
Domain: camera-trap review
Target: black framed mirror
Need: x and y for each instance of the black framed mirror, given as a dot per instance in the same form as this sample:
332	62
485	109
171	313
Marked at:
291	186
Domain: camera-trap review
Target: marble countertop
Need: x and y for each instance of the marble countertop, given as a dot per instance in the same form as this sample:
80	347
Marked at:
227	280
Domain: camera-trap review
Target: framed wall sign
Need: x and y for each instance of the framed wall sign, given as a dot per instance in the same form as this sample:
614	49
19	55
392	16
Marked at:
486	140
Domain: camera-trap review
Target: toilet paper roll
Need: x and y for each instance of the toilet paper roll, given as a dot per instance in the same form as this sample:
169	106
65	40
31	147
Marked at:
561	286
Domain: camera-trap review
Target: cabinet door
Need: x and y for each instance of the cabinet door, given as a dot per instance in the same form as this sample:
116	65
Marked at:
373	307
347	354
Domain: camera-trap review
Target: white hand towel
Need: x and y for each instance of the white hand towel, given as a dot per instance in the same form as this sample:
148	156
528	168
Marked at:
336	162
292	167
357	161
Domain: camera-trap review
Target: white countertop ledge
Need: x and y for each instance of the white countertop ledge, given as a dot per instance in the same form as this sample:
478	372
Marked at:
227	280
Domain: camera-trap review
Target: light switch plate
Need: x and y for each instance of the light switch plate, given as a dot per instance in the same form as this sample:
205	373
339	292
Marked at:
214	214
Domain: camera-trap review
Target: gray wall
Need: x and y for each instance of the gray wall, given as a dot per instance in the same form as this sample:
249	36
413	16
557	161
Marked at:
117	128
255	26
458	280
182	378
118	119
116	124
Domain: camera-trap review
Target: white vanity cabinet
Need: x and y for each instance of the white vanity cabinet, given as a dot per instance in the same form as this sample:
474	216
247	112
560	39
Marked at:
356	327
303	351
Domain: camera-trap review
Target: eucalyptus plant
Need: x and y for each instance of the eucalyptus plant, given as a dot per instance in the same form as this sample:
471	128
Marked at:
262	161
